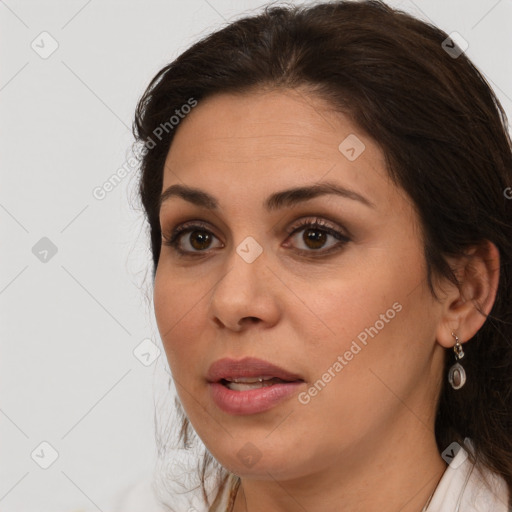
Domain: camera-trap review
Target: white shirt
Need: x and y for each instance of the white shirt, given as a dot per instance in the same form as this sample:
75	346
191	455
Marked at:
462	488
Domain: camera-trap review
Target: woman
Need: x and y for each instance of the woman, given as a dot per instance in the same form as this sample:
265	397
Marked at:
326	192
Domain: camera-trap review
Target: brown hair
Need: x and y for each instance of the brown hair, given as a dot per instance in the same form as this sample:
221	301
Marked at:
441	128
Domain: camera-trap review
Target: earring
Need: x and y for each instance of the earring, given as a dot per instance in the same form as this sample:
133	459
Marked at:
457	374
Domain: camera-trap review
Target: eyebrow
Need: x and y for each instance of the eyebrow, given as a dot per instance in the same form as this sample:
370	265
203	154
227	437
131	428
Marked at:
276	201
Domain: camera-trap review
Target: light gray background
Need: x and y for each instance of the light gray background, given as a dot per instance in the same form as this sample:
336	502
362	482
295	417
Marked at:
69	325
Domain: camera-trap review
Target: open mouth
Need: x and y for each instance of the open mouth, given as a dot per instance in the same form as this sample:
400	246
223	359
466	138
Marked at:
248	383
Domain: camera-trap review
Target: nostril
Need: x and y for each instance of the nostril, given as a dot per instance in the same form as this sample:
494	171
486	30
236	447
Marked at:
251	319
240	324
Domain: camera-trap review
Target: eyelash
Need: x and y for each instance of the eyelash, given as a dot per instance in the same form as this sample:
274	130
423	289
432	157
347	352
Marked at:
316	223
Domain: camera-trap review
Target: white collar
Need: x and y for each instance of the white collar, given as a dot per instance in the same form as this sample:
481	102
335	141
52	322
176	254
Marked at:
463	485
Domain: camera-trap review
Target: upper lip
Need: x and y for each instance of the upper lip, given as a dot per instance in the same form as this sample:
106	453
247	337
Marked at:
247	367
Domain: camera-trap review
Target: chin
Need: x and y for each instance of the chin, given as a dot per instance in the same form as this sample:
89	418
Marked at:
258	459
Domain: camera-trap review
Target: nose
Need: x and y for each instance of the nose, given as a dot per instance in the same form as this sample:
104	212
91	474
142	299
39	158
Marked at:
245	295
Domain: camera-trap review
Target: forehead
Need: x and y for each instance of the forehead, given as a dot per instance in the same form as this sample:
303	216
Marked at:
268	140
259	124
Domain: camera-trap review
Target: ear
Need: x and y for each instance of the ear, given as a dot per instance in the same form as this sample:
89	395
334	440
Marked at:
465	307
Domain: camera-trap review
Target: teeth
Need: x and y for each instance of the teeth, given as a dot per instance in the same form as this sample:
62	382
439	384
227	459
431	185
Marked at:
245	386
250	380
246	383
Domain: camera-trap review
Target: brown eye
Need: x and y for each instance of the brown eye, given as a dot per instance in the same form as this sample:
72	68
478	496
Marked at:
197	240
192	239
315	235
314	238
200	240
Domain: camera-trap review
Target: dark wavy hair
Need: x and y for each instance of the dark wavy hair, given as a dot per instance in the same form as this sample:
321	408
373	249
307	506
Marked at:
443	133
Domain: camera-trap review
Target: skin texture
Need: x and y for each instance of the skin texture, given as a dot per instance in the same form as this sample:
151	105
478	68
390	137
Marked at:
366	440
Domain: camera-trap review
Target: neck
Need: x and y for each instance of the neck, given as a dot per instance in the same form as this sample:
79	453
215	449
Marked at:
400	474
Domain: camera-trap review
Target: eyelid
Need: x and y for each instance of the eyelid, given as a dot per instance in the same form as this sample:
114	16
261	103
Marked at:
337	232
185	227
313	221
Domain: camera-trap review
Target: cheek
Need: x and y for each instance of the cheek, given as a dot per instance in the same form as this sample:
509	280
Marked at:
379	338
365	324
356	303
361	330
179	311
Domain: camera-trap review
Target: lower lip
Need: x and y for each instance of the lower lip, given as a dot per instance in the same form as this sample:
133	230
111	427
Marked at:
253	400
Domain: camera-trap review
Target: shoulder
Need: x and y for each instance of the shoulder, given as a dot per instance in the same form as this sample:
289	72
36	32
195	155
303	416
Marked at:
144	495
140	495
137	496
469	487
163	494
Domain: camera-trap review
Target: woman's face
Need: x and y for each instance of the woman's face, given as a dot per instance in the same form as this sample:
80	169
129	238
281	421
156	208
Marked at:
343	306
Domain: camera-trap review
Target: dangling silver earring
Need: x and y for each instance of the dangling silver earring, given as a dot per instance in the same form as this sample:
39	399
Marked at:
457	374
